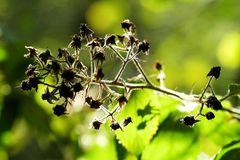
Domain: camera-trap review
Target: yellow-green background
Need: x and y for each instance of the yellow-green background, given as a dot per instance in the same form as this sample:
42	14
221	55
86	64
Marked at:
187	36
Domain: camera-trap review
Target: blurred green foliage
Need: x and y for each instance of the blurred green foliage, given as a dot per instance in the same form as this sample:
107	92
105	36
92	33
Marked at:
187	36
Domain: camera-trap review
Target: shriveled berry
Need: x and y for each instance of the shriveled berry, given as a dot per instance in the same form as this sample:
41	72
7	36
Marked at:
31	70
96	124
158	66
110	39
31	52
95	104
128	25
126	121
115	125
76	42
215	71
70	59
44	56
122	100
214	103
54	67
46	95
210	115
85	31
59	110
68	75
88	100
34	81
99	57
144	47
189	120
65	91
25	85
77	87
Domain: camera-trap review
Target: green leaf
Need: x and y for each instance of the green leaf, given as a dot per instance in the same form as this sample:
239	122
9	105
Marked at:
234	89
138	134
173	141
230	151
147	111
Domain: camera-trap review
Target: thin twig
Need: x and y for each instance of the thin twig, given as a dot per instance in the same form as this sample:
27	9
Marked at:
124	64
133	86
139	68
117	53
233	111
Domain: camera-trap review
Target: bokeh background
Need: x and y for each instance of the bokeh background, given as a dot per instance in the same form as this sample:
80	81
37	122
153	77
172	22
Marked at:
187	36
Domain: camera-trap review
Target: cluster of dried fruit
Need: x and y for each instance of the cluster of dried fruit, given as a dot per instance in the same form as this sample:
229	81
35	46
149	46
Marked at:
69	75
211	101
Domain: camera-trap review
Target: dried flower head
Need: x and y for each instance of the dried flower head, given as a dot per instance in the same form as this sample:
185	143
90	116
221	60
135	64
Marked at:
76	42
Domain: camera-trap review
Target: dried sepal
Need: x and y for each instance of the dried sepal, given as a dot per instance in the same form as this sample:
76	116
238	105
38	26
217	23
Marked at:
215	72
115	126
76	42
45	56
32	52
85	31
126	121
144	47
128	26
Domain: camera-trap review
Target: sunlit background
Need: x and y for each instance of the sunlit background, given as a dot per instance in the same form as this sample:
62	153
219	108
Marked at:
187	36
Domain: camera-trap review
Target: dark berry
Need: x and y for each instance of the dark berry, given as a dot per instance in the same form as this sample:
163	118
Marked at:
158	66
210	115
122	100
128	25
215	71
55	67
214	103
99	57
65	91
96	124
31	70
59	110
31	52
76	42
115	125
68	75
25	85
110	39
34	81
46	95
85	31
189	121
126	121
77	87
44	56
70	59
144	47
95	104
